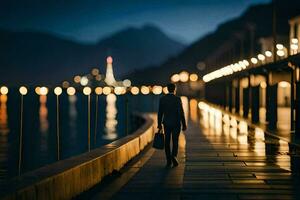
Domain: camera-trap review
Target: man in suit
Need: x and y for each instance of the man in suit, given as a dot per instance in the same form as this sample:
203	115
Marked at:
171	115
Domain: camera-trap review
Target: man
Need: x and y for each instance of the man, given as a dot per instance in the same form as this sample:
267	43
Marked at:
171	115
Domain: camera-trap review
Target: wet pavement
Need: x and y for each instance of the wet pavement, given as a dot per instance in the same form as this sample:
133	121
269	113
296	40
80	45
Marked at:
220	158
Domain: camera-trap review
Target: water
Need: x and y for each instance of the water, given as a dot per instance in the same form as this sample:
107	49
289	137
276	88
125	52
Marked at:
39	130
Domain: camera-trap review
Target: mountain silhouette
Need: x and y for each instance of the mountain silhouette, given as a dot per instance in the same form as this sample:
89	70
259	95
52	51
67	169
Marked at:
206	49
41	58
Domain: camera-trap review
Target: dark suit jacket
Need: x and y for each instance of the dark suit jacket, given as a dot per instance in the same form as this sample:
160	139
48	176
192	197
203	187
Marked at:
170	111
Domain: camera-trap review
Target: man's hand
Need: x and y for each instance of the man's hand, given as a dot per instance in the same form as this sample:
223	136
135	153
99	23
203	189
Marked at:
184	128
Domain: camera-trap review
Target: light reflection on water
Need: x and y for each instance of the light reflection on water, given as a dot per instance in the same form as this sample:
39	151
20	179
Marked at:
236	131
44	124
72	116
111	122
4	130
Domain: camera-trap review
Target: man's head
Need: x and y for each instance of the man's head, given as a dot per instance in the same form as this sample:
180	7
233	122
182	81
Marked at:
171	88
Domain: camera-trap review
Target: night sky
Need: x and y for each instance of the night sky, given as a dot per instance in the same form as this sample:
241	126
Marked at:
90	20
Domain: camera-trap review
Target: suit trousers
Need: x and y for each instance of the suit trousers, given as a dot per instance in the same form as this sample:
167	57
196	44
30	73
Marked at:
174	133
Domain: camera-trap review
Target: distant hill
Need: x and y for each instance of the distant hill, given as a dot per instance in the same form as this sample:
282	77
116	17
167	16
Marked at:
42	58
224	39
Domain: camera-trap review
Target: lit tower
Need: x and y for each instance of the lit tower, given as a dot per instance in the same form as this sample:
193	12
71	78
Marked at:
109	77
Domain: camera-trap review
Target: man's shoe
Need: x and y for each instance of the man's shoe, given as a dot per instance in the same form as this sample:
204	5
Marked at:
168	165
175	161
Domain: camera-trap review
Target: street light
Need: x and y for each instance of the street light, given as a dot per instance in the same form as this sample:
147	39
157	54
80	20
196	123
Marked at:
57	92
71	91
87	91
193	77
23	91
175	78
4	90
135	90
254	61
184	76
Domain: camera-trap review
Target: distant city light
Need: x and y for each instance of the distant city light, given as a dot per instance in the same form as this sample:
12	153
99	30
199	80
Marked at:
193	77
84	81
284	84
145	90
165	90
106	90
119	90
175	78
71	91
95	72
294	46
87	90
254	60
268	53
43	91
294	40
77	79
109	60
261	57
65	84
279	46
280	53
57	91
23	90
263	85
127	83
135	90
184	76
157	90
4	90
98	90
37	90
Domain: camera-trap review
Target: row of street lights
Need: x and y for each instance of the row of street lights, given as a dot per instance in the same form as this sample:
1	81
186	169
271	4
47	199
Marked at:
134	90
281	52
184	77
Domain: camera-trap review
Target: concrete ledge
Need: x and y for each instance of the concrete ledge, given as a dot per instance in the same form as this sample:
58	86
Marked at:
67	178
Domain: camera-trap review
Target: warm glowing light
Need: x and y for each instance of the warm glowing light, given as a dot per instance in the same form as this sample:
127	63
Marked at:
145	90
37	90
175	78
65	84
268	53
109	60
23	90
98	90
294	46
254	60
84	81
157	89
43	91
280	53
127	83
87	90
263	85
106	90
119	90
95	72
294	40
165	90
279	46
261	57
4	90
284	84
246	62
98	77
135	90
71	91
57	91
77	79
184	76
193	77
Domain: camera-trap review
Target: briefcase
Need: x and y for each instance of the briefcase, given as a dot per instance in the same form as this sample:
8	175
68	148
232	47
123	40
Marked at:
159	140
